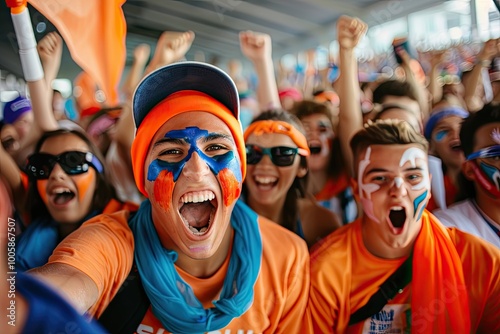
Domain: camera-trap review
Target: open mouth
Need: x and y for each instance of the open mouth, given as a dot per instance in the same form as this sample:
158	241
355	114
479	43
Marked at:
265	182
62	196
456	146
198	210
315	149
397	218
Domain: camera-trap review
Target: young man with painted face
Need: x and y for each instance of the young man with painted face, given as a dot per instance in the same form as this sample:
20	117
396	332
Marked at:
479	182
450	291
206	261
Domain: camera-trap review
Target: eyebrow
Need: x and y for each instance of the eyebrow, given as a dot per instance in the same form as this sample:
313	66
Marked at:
177	141
381	170
215	136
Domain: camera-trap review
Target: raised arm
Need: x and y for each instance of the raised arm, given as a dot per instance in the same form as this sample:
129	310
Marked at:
435	89
483	60
349	31
418	87
257	48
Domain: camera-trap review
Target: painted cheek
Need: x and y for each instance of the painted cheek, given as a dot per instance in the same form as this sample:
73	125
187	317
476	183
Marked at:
41	186
163	189
231	187
419	201
441	135
83	183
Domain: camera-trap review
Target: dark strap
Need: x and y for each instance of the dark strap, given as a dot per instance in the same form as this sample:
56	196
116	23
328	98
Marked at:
393	285
129	306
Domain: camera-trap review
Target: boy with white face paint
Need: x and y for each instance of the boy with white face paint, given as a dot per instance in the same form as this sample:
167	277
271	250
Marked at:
478	212
443	292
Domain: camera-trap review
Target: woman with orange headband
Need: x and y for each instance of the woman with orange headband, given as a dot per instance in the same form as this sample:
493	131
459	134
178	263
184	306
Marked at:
277	174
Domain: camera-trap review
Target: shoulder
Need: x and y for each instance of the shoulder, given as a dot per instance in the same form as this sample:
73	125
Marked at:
471	248
276	236
454	215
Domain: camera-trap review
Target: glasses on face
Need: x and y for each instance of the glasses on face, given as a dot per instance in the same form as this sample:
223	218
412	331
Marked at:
281	156
40	165
487	152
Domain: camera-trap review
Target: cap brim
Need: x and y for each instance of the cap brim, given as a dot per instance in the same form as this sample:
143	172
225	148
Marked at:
187	75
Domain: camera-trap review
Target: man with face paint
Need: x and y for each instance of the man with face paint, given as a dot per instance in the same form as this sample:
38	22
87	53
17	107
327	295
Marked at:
445	293
479	211
205	260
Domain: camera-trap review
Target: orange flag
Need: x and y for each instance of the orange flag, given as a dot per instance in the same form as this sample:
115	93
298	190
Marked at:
94	31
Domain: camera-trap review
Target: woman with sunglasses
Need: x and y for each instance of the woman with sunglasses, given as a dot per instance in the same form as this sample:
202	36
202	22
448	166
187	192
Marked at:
67	185
277	172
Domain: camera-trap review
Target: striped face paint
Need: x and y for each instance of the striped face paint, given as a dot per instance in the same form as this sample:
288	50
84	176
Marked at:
411	155
225	166
366	189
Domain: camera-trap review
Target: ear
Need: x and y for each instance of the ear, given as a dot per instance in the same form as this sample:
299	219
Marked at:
302	171
468	171
353	182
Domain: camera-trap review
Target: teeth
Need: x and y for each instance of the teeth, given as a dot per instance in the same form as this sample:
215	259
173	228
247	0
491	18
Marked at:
198	197
196	232
58	191
397	208
265	179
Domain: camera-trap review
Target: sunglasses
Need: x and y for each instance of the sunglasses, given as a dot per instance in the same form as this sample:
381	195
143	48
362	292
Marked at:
40	165
281	156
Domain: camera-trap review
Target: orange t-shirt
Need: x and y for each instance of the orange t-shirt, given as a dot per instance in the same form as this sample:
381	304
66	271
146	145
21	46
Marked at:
281	291
337	292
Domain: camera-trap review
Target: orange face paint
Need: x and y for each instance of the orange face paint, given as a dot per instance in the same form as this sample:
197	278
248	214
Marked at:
163	189
231	188
41	186
83	182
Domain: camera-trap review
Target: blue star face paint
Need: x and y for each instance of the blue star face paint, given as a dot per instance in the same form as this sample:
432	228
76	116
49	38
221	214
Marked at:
192	137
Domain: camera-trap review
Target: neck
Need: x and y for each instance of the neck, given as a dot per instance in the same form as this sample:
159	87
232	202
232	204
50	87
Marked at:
272	211
381	248
317	181
453	172
203	268
66	229
490	206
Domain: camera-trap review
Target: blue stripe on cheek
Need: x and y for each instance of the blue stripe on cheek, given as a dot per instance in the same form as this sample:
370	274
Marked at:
416	202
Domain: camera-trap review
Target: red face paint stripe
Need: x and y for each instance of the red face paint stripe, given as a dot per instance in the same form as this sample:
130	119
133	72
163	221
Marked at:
163	189
231	188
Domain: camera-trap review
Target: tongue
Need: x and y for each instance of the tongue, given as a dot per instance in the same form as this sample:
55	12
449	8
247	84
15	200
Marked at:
63	198
398	218
197	214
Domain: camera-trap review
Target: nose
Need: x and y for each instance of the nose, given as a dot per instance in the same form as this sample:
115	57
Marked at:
195	168
57	172
398	188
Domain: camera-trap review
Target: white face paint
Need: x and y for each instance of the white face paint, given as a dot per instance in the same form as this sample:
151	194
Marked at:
411	155
365	190
398	181
495	135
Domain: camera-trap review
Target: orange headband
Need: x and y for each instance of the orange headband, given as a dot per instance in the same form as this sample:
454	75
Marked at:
271	126
173	105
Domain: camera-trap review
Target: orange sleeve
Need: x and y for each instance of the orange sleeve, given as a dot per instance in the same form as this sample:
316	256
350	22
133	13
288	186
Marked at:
103	249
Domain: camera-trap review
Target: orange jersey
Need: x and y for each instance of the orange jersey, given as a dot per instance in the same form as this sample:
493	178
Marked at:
344	275
281	290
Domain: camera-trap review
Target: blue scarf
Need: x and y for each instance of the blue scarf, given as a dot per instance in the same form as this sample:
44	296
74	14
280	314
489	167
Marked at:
172	299
35	245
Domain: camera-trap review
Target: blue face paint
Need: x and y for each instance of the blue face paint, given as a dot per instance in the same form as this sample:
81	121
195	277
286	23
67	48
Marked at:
191	135
492	173
416	202
440	135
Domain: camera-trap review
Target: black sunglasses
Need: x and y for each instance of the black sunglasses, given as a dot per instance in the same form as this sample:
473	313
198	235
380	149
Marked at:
281	156
40	165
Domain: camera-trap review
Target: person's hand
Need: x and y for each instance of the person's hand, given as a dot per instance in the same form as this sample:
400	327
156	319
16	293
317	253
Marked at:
255	46
489	50
437	57
50	47
350	30
171	47
141	53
